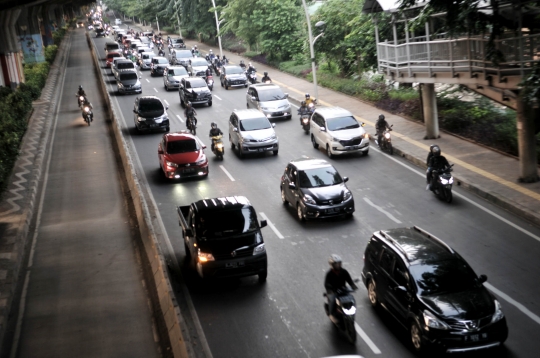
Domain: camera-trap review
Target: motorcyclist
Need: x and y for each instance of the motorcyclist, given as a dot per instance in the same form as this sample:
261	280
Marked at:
81	92
211	55
266	78
243	65
336	278
84	103
380	126
214	131
190	112
207	73
309	100
161	52
303	110
250	69
195	51
225	60
437	162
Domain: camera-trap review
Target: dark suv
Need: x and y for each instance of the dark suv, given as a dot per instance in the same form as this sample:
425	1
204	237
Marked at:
432	291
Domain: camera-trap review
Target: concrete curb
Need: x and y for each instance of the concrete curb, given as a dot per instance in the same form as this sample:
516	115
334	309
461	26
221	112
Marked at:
163	297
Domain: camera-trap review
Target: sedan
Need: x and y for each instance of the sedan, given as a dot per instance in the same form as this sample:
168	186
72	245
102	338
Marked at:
315	189
181	155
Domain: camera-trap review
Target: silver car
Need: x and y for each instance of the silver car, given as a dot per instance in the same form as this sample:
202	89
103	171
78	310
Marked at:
172	76
251	132
269	99
145	60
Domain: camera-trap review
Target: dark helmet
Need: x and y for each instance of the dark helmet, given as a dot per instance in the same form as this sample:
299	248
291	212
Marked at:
436	150
431	147
335	261
80	88
224	57
241	61
381	116
303	103
213	125
307	95
265	73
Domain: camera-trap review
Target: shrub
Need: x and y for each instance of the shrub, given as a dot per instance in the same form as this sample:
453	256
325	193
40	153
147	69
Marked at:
50	53
251	54
168	29
4	92
403	95
294	68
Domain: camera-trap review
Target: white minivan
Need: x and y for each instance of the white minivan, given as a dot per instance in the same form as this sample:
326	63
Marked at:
338	132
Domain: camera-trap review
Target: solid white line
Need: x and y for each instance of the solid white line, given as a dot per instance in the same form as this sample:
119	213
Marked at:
382	210
147	80
217	97
180	118
167	103
155	89
510	300
226	172
278	234
366	339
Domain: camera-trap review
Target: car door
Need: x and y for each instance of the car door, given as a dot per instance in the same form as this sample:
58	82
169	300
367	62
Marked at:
384	276
317	122
232	125
252	93
292	178
399	295
181	89
136	110
161	151
222	75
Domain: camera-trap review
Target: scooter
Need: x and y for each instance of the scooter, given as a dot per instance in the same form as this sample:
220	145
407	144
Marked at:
304	120
443	184
345	312
252	77
191	126
386	141
210	82
219	148
80	100
87	114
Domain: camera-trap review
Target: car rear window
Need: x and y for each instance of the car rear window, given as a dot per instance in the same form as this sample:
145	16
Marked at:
147	56
128	76
178	41
182	146
151	106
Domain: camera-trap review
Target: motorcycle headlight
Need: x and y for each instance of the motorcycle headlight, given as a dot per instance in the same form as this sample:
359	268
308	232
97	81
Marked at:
309	199
204	257
120	84
201	161
81	98
87	109
451	180
219	145
311	105
305	120
387	135
259	249
445	181
433	322
171	164
349	311
498	315
347	195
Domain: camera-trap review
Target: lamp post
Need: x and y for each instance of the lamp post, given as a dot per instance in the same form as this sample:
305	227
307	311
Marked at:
178	18
217	26
157	23
311	43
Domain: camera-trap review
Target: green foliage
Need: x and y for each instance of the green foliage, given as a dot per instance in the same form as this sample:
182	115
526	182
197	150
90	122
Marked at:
251	54
168	29
50	53
403	94
58	35
294	68
36	74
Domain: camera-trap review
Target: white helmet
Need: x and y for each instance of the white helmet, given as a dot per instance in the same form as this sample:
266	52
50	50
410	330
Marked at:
335	261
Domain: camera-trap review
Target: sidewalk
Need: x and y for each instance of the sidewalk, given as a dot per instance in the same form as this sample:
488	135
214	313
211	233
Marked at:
487	173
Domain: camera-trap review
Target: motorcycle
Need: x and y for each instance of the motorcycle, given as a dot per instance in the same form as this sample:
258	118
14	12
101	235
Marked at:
219	148
80	100
386	141
210	82
304	120
87	114
345	312
252	77
191	126
443	184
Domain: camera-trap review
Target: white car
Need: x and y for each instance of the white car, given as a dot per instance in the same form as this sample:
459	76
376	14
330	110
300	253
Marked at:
118	21
338	132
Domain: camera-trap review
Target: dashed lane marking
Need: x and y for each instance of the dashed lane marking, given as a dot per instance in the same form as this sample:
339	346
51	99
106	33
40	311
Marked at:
226	172
276	231
180	118
366	339
155	89
218	97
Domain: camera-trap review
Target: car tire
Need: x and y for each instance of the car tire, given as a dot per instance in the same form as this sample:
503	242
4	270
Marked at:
168	129
314	142
221	82
418	344
366	153
300	213
210	104
226	86
328	152
166	88
262	276
283	198
372	293
275	152
247	105
232	144
245	86
182	103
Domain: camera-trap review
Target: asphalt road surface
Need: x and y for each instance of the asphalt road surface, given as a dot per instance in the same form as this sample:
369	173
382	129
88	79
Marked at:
285	316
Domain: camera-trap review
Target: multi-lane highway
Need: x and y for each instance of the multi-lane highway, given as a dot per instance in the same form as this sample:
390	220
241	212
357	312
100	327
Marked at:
285	316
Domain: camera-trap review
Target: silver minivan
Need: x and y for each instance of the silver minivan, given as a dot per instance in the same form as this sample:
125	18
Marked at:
269	99
251	132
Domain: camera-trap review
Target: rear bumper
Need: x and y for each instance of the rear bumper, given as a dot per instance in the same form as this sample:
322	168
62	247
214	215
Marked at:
241	267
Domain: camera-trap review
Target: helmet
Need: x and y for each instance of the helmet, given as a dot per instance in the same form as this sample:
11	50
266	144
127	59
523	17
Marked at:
250	64
224	57
80	88
335	261
211	51
189	104
241	61
436	150
381	116
307	95
433	146
265	73
303	103
195	46
213	125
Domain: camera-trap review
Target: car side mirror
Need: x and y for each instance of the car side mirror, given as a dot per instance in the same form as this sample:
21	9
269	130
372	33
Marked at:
166	107
204	147
273	125
345	179
135	111
286	95
292	186
263	223
482	278
363	124
235	129
323	129
160	151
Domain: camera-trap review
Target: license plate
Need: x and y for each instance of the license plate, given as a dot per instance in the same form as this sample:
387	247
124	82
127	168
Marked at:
331	210
261	149
153	125
234	264
476	337
189	170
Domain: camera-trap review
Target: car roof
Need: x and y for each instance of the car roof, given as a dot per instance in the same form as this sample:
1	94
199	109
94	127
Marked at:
264	86
147	98
309	163
159	57
112	53
416	245
331	112
180	135
231	66
122	60
217	204
248	113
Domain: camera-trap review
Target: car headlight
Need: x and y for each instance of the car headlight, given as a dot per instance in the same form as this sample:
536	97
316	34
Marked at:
259	249
366	135
141	119
498	315
309	199
347	195
171	164
201	161
120	85
335	139
433	322
273	136
204	257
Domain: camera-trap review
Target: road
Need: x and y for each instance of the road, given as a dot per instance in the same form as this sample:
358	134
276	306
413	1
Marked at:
285	317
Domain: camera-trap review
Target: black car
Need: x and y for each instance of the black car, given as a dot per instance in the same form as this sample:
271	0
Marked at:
194	90
150	114
232	76
432	291
315	189
158	65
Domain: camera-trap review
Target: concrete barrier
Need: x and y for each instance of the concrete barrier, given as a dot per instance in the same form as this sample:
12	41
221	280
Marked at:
165	306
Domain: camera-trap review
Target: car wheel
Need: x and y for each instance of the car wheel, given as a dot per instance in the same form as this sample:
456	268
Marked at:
210	104
166	88
366	153
314	142
328	152
283	198
221	83
182	103
168	129
416	338
275	152
226	86
262	276
245	85
247	105
300	213
372	293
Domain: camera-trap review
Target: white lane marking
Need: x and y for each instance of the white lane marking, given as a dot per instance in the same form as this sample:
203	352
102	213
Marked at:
366	339
510	300
155	89
147	80
390	216
217	97
226	172
278	234
167	103
294	105
180	118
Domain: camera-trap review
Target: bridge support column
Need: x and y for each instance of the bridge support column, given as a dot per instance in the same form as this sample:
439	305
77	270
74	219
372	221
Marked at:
526	141
431	117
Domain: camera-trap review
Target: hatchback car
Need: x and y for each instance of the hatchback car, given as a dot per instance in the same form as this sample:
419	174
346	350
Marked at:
197	67
194	90
432	292
128	82
269	99
178	43
180	57
315	189
338	132
251	132
111	56
150	114
181	155
158	65
232	76
172	76
145	60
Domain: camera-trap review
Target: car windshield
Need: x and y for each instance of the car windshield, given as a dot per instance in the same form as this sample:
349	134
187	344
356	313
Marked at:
341	123
182	146
443	277
151	106
197	83
178	41
234	70
128	76
181	71
315	178
162	61
147	56
199	62
226	223
273	94
254	124
184	54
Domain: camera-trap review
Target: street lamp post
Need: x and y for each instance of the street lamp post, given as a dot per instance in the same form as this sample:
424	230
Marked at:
311	43
178	18
217	26
157	23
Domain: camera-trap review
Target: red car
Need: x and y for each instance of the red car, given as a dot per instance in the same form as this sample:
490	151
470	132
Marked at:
181	155
111	56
